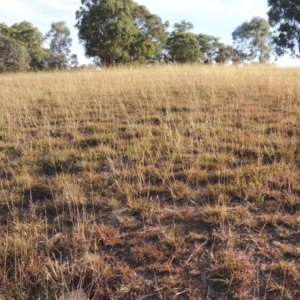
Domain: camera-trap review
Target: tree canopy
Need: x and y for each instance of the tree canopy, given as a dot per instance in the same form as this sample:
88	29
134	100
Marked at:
285	17
253	39
122	31
60	43
29	37
151	36
183	46
214	50
119	31
13	56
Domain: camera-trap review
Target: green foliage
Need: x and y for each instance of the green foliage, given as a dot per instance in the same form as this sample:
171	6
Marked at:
183	26
60	43
151	35
260	199
285	17
106	29
29	37
215	51
253	39
13	56
73	61
227	53
209	45
183	46
119	31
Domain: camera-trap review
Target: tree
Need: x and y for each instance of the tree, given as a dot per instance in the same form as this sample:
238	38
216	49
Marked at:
209	46
106	29
253	40
29	37
13	56
183	27
225	54
285	17
183	46
214	50
151	37
119	31
73	61
60	43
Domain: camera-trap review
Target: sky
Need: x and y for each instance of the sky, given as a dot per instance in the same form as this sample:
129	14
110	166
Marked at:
215	17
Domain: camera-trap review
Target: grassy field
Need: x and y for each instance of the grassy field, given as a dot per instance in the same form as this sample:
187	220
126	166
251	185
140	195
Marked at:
151	183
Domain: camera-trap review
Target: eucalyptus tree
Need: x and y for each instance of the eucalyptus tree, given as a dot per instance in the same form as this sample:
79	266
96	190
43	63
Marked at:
13	56
119	31
183	46
60	44
151	37
30	38
284	16
253	40
214	50
73	61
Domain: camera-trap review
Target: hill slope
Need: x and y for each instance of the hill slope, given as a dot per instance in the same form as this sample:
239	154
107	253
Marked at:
151	183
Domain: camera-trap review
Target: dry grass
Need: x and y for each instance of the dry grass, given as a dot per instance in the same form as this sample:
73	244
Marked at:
158	183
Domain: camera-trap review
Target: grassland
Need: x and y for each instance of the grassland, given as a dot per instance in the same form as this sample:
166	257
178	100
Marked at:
157	183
